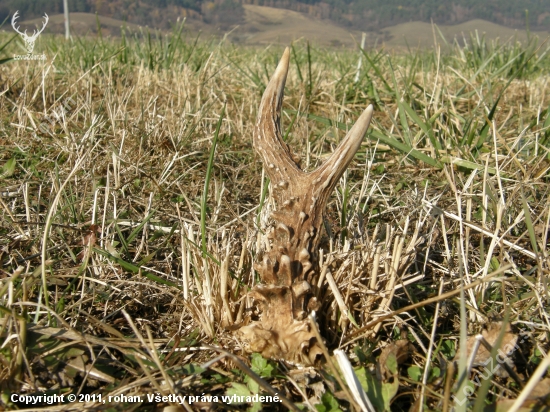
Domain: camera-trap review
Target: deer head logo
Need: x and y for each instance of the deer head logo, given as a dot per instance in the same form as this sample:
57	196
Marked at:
29	40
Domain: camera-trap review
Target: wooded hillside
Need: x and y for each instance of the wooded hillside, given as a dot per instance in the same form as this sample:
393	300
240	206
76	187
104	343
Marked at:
377	14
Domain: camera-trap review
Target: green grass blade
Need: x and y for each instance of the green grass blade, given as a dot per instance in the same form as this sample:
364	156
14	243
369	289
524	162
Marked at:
485	129
377	70
249	74
440	34
12	38
289	128
138	228
405	149
425	128
470	165
122	239
344	219
309	76
209	168
376	135
529	224
400	102
130	267
297	63
263	196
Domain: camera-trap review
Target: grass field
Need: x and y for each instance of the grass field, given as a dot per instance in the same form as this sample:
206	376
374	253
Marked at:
132	209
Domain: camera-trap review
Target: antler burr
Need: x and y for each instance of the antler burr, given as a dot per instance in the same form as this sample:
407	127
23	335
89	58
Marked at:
287	268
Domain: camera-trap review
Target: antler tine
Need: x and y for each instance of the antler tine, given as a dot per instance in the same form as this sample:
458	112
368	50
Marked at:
275	153
343	155
327	175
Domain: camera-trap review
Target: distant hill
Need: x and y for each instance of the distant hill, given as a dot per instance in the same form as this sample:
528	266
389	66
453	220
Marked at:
267	25
420	34
370	15
362	15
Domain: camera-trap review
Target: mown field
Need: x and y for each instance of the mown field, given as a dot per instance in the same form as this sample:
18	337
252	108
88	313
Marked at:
133	207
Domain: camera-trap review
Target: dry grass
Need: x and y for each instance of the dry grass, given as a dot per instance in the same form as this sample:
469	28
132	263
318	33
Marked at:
122	274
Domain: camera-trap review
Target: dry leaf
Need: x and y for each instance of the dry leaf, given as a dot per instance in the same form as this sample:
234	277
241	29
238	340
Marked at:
400	349
483	355
542	390
530	405
80	364
88	241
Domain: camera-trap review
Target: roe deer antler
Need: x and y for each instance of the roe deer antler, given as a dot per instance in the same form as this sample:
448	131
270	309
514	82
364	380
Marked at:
287	269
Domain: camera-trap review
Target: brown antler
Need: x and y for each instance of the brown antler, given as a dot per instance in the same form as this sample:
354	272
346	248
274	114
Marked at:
300	198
